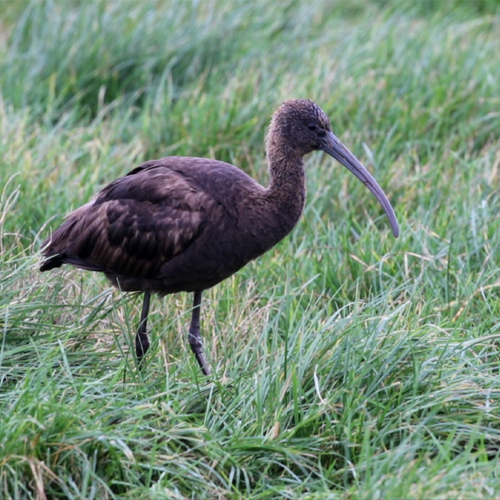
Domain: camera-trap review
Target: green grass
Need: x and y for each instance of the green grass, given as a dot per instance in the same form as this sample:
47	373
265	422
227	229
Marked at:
346	364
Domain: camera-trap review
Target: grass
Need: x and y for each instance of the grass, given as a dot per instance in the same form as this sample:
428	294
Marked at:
346	364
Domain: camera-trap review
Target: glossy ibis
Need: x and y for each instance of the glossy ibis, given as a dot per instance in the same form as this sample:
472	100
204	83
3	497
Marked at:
182	224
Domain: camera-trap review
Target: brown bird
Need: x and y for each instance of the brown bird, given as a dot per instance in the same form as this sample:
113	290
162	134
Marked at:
182	224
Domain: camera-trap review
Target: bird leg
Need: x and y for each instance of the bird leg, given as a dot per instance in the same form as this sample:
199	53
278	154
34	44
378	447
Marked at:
194	335
141	338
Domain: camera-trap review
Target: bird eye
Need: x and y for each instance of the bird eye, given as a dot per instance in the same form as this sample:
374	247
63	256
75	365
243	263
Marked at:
319	130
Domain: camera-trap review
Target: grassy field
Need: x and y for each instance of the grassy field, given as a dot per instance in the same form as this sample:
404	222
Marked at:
346	364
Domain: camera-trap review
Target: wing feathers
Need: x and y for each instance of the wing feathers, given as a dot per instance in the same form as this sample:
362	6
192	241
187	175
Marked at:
135	225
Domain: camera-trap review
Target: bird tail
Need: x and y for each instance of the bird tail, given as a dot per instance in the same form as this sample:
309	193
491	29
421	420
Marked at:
51	262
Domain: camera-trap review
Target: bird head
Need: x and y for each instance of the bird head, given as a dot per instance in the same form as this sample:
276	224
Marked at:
305	127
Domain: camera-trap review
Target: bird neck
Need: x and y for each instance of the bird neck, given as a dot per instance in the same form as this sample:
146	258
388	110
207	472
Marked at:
287	188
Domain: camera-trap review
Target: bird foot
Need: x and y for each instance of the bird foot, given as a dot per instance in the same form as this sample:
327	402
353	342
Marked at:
197	348
141	345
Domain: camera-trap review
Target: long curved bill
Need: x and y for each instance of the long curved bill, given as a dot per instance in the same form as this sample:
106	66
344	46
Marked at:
337	150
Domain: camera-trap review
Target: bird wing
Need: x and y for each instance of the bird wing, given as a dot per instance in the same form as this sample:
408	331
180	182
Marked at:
135	224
